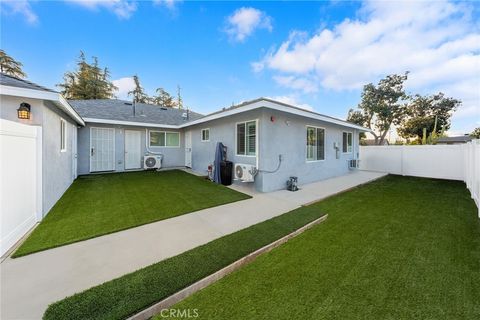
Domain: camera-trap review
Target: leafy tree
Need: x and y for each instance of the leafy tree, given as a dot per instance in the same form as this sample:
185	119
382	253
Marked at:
10	66
476	133
427	116
138	92
382	106
179	99
163	99
357	117
89	81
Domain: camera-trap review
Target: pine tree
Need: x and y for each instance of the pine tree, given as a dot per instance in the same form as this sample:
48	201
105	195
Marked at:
138	92
179	98
10	66
163	99
89	81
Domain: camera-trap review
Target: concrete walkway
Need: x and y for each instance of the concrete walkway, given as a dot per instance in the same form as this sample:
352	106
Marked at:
29	284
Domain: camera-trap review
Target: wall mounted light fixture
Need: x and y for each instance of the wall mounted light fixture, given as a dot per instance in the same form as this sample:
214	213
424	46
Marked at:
24	111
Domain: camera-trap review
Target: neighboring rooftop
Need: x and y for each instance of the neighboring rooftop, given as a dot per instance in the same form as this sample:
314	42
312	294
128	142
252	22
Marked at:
372	142
7	80
457	139
122	110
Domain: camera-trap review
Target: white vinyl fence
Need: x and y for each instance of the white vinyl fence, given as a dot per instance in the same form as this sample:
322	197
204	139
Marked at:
20	181
453	162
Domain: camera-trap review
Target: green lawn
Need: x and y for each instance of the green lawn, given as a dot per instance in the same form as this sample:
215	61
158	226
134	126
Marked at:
124	296
95	205
397	248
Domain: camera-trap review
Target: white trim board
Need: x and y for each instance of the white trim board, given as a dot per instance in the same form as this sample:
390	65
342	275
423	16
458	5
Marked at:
131	123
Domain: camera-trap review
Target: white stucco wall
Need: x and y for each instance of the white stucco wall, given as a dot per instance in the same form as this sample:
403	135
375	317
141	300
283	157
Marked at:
58	167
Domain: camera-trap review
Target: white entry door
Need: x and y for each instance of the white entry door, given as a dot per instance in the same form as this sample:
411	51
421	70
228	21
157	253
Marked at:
133	151
74	153
102	149
188	149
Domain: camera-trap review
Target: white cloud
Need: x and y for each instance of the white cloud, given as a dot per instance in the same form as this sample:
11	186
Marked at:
292	100
21	7
437	41
169	4
123	9
244	21
124	85
304	84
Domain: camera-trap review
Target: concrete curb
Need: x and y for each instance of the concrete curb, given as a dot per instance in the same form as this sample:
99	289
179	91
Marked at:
201	284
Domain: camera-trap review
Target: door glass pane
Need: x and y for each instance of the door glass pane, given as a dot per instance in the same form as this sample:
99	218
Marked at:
251	138
311	143
350	144
344	142
320	144
241	138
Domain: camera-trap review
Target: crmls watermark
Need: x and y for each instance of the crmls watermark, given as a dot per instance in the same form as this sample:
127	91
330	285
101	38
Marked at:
179	313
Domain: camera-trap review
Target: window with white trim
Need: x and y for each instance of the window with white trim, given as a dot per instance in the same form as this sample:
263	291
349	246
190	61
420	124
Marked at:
347	143
315	144
164	139
247	138
205	135
63	135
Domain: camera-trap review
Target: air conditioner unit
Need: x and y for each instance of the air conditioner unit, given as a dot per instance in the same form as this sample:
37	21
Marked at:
152	162
353	164
245	172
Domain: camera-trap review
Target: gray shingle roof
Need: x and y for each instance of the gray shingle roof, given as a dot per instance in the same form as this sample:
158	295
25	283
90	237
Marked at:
7	80
121	110
457	139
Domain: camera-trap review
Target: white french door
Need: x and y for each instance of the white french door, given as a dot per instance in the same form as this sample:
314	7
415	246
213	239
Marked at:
188	149
133	152
102	149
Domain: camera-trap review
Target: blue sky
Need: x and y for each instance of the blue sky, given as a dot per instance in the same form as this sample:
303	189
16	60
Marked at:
313	54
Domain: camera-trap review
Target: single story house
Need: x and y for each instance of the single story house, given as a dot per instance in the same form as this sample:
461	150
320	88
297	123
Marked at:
271	140
277	139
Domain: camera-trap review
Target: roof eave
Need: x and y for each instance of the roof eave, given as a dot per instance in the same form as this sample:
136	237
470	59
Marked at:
55	97
131	123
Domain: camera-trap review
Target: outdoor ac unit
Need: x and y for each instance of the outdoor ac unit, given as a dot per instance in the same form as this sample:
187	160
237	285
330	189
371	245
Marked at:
353	163
152	162
244	172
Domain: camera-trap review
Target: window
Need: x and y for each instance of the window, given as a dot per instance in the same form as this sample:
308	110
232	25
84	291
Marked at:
63	135
157	139
205	135
247	138
315	144
347	142
164	139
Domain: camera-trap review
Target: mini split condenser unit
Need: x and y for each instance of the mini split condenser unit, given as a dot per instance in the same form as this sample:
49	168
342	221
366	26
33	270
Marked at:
152	162
244	172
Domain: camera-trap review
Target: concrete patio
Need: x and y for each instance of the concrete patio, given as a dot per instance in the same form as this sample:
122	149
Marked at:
29	284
